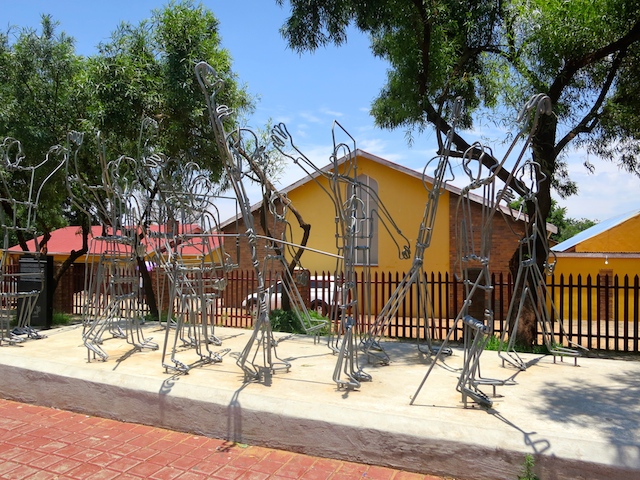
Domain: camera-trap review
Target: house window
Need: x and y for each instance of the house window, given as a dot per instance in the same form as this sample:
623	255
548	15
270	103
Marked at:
365	218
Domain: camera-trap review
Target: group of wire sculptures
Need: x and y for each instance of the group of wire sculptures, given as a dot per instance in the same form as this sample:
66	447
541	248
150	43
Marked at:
18	214
158	214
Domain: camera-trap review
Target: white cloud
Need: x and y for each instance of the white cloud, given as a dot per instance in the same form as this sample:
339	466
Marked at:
331	113
310	117
606	193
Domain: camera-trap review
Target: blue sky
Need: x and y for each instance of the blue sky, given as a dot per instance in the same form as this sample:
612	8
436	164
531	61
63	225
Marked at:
308	92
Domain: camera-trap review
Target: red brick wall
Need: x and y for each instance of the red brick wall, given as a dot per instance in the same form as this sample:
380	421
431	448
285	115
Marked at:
505	237
67	286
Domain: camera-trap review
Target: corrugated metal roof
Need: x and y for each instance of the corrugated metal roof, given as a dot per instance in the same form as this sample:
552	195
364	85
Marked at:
593	231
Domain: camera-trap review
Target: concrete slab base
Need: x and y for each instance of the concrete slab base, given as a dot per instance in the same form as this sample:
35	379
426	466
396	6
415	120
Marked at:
577	422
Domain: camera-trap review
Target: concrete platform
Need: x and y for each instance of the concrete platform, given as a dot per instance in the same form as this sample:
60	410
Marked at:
578	422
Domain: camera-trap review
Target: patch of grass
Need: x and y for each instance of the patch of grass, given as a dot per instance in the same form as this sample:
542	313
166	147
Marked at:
289	321
152	318
60	319
527	469
493	343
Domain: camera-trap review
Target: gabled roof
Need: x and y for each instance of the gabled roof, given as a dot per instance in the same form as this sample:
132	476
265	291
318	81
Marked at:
594	231
64	240
394	166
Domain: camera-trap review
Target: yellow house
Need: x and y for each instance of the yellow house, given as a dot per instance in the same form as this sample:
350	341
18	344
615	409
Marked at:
599	267
403	193
611	247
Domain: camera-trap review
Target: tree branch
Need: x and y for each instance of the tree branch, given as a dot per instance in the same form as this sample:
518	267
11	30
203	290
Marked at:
573	66
588	123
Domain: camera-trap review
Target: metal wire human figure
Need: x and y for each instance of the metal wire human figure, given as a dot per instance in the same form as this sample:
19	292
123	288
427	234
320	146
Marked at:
184	228
530	280
354	227
112	280
443	174
18	220
474	248
259	359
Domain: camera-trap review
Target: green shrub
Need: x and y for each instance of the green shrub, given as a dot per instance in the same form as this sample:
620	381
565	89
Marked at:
289	321
527	469
60	318
493	343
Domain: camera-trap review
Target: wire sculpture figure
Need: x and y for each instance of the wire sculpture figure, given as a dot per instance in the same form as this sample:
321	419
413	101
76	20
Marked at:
290	274
189	250
112	280
443	174
354	227
474	253
18	217
259	359
530	281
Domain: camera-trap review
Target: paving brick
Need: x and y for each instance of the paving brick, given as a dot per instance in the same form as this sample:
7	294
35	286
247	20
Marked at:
167	473
104	474
83	471
317	474
43	475
69	451
7	466
191	475
20	473
252	475
380	473
52	446
64	465
27	457
143	453
144	469
104	459
123	464
185	462
412	476
46	461
14	451
102	449
86	454
164	458
267	466
228	472
293	469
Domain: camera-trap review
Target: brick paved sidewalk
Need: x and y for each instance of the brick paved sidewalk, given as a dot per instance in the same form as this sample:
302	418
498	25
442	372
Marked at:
45	443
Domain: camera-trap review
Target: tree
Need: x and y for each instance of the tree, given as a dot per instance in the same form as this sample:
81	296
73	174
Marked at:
41	90
143	71
41	99
567	227
495	54
148	71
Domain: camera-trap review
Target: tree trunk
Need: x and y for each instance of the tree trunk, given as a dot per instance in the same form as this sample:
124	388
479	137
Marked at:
147	285
544	154
73	256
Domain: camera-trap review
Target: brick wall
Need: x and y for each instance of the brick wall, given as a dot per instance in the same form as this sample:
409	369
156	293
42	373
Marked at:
505	237
70	282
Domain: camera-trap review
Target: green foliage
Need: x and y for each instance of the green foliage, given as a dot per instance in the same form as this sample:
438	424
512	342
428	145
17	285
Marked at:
146	70
567	227
42	95
289	321
527	469
583	54
60	319
493	344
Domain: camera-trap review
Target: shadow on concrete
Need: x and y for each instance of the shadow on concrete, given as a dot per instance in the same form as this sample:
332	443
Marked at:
537	446
602	408
234	417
